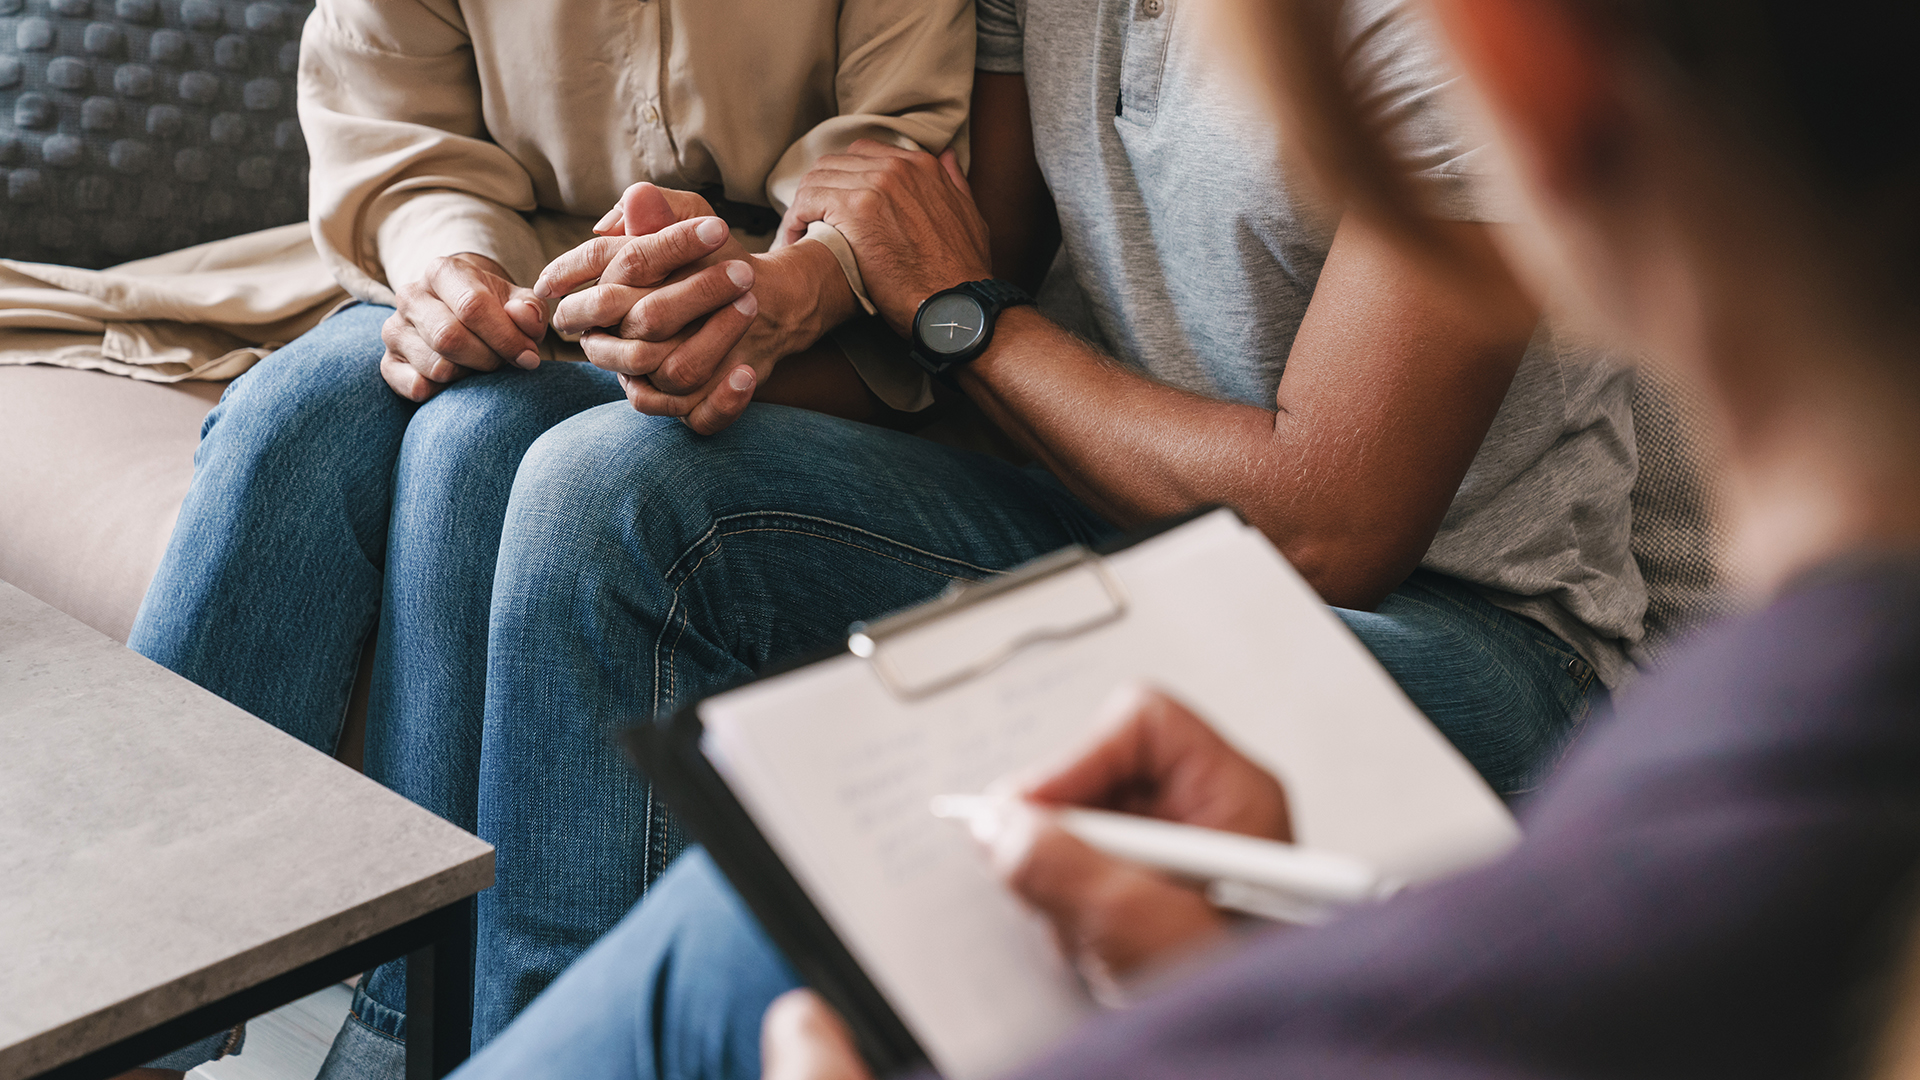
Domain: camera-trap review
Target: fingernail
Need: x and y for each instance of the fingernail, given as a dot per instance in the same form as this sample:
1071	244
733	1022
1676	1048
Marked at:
711	230
740	274
741	379
606	222
528	359
747	305
543	289
442	371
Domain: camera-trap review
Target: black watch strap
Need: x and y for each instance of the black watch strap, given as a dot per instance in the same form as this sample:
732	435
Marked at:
998	295
993	296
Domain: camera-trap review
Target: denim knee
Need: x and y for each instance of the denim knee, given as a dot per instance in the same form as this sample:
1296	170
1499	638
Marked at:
677	989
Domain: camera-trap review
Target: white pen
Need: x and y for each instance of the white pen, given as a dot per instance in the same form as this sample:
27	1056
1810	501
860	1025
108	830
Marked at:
1267	878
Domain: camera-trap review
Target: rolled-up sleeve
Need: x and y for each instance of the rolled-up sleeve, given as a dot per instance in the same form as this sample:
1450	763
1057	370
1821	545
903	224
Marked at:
905	75
403	170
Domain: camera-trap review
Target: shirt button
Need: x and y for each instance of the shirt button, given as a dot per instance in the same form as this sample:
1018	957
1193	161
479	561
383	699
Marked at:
1152	8
652	115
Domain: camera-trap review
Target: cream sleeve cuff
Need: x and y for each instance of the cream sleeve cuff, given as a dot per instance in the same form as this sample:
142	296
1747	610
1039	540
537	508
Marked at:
824	233
877	356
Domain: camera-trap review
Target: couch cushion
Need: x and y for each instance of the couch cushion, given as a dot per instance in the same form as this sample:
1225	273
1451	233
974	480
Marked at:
96	468
133	127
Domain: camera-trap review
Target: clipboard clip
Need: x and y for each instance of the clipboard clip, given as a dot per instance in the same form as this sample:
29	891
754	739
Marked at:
911	673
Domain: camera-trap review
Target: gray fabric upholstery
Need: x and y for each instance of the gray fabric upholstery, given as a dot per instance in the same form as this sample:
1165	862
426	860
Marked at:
133	127
1680	533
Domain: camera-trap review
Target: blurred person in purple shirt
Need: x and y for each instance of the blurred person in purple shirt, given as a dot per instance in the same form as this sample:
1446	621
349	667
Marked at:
1719	881
1721	877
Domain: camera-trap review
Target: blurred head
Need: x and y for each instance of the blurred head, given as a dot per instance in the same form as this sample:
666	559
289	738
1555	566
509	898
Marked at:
1663	146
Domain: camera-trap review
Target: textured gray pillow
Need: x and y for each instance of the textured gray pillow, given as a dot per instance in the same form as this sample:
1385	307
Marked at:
133	127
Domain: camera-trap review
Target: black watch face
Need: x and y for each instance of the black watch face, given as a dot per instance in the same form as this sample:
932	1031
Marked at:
951	324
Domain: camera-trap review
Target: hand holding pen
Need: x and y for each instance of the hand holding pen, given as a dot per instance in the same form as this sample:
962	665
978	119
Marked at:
1117	917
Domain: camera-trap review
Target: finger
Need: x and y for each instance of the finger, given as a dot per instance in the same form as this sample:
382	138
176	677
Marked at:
1114	761
950	160
723	404
1156	757
652	259
611	223
644	209
791	229
694	363
874	148
596	308
666	311
626	356
530	314
471	299
709	345
577	266
403	340
801	1038
1115	918
405	381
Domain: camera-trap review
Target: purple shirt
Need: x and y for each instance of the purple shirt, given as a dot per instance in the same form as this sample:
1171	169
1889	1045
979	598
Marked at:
1705	890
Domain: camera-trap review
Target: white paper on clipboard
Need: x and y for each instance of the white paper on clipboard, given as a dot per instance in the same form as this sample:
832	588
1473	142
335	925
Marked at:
837	762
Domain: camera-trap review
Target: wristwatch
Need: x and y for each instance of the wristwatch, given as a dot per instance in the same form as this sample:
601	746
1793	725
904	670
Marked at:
955	325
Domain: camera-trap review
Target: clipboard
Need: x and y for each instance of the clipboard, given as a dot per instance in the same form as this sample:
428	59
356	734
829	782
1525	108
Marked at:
1064	601
667	751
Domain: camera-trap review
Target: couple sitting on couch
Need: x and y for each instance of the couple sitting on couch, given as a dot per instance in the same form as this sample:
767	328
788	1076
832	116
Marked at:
549	550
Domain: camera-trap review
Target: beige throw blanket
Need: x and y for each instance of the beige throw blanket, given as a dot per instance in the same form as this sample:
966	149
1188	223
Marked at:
207	312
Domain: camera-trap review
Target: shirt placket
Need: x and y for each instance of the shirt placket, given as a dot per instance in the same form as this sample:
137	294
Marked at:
1148	26
652	137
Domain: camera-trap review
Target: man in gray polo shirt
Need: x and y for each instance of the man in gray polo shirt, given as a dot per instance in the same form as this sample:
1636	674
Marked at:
1450	477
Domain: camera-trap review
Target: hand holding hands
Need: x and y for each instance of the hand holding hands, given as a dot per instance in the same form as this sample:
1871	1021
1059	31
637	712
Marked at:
1116	919
689	319
465	316
672	300
909	216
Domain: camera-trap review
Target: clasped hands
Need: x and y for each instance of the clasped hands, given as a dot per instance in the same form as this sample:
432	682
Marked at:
1115	920
690	321
672	303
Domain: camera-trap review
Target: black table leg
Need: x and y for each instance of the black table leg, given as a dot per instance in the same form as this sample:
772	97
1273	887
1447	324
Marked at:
440	995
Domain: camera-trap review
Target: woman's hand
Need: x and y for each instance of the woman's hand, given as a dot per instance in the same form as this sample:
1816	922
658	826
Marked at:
1113	918
659	315
801	1038
466	316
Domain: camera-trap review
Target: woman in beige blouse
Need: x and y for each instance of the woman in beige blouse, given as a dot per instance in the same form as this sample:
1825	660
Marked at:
358	476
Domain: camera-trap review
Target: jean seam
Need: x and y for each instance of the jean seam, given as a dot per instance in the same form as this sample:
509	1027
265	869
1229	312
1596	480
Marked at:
713	540
719	522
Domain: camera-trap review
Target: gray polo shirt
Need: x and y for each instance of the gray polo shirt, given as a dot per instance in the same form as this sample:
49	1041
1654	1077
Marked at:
1188	255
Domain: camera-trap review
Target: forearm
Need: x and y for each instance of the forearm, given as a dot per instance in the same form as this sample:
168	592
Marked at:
1137	450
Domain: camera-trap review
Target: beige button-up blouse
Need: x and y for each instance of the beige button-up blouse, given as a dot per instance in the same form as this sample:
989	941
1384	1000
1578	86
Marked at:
507	127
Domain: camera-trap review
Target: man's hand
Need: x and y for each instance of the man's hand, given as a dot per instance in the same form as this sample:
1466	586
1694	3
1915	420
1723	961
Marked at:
909	216
801	1038
692	329
1113	918
466	316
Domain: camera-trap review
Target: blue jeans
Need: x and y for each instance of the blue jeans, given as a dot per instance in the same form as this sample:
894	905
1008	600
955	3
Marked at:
642	567
323	504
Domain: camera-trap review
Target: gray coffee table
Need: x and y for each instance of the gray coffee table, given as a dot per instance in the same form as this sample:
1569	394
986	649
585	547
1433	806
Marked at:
171	866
